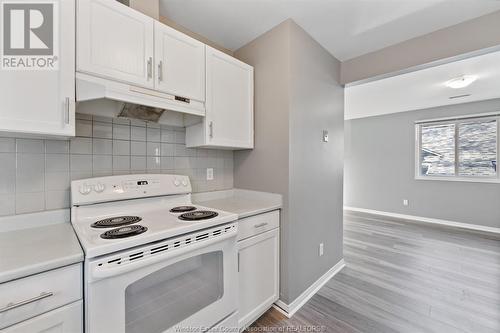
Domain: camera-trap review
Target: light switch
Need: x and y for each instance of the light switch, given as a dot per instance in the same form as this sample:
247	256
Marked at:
325	136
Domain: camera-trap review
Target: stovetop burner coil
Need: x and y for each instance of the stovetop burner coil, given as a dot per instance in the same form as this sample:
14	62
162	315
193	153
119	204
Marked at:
114	222
198	215
124	232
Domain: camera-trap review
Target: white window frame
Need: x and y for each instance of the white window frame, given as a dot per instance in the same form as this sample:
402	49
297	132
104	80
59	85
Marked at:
456	121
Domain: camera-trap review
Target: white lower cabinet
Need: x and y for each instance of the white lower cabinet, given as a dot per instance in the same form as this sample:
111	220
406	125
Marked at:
67	319
258	269
46	302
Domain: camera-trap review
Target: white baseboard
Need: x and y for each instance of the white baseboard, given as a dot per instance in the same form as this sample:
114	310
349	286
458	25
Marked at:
426	220
290	309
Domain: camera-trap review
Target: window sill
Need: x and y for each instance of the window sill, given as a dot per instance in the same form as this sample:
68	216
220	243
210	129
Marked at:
460	179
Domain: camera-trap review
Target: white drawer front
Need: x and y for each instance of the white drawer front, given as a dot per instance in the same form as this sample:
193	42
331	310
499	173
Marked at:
258	224
28	297
68	319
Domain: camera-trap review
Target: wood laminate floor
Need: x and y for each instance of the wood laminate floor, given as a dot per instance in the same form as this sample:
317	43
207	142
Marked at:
404	277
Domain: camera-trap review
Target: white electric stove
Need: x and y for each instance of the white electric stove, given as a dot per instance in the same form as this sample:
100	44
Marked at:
159	261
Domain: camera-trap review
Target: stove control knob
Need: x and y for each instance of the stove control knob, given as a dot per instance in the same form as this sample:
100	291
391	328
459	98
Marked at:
177	182
99	187
85	189
184	183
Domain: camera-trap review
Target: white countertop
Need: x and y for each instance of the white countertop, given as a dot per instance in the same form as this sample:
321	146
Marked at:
31	250
242	202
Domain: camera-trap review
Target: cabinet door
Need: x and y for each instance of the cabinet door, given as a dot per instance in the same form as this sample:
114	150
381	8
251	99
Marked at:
67	319
180	63
258	267
43	101
115	42
229	105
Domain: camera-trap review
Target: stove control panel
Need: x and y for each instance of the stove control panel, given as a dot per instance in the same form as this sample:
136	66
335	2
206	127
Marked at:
104	189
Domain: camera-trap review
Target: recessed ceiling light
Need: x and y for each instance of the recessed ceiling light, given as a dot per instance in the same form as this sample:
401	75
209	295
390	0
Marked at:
461	81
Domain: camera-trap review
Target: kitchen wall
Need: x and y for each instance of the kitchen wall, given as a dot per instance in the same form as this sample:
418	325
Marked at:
316	167
297	96
266	167
36	174
380	170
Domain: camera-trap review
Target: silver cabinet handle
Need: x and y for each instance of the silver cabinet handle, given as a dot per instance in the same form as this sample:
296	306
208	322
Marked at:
211	129
150	67
260	225
160	71
12	306
66	110
238	261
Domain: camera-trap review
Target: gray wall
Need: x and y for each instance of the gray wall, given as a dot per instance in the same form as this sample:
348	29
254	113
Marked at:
379	170
265	168
297	95
316	167
476	34
36	174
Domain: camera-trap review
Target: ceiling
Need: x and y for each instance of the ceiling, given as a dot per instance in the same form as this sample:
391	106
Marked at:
346	28
425	88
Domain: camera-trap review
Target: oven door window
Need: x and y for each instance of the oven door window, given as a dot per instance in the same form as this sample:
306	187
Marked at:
168	296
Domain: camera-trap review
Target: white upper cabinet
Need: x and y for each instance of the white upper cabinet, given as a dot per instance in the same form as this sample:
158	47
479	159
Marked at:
229	105
180	63
42	101
115	42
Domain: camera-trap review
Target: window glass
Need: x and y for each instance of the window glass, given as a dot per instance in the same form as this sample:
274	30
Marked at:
437	150
477	148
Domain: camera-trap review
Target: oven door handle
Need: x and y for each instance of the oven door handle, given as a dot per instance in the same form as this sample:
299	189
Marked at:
101	272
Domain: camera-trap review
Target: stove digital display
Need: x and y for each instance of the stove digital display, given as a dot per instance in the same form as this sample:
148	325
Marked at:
142	182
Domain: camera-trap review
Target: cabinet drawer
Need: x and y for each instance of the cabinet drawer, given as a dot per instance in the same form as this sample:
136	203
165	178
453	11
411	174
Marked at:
258	224
68	319
28	297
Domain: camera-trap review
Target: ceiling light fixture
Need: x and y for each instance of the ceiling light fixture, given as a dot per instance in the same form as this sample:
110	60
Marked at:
461	81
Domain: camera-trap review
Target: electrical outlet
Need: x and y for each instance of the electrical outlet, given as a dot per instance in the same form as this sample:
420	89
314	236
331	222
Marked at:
210	173
321	248
406	202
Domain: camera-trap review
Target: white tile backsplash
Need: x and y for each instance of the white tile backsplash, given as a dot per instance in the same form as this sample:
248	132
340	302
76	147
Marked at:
121	132
30	202
137	133
29	146
57	162
57	181
121	147
7	145
57	199
36	174
56	147
153	149
81	145
138	148
102	130
102	146
102	163
153	134
84	128
81	163
121	163
138	163
7	204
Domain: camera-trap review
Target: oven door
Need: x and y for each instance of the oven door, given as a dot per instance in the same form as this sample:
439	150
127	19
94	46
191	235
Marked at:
190	285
